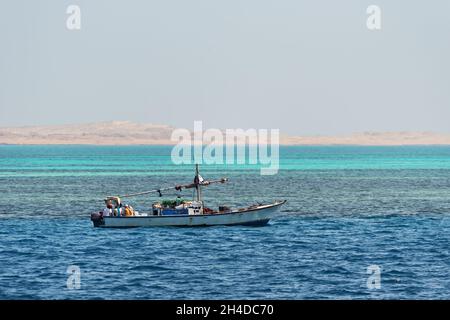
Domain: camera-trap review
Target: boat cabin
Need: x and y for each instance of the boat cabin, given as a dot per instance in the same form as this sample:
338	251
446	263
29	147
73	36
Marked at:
177	207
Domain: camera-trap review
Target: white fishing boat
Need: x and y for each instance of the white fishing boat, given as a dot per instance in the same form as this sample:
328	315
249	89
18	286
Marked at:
182	213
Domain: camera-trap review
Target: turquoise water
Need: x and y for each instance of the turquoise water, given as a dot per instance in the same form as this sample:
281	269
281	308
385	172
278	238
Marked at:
33	161
348	208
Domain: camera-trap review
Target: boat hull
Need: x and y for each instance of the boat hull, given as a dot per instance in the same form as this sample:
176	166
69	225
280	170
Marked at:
254	216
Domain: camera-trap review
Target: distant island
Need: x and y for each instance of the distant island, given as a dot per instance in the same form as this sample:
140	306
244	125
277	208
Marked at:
130	133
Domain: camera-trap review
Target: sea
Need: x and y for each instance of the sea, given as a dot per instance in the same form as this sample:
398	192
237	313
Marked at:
359	223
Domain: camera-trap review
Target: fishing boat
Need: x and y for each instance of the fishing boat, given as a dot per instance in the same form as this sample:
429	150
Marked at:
183	213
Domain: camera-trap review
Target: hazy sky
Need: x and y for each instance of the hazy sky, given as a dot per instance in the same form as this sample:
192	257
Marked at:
306	67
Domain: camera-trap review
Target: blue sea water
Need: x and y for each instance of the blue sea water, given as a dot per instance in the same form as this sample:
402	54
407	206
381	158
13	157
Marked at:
348	208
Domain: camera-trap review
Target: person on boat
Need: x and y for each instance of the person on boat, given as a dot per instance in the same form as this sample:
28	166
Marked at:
128	211
108	211
118	211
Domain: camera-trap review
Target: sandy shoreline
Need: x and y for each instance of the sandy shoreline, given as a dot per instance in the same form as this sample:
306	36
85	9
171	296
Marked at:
129	133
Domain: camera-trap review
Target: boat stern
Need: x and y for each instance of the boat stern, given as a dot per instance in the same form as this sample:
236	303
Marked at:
97	219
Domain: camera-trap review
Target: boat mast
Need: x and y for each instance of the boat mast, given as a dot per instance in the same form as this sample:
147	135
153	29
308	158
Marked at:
197	183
